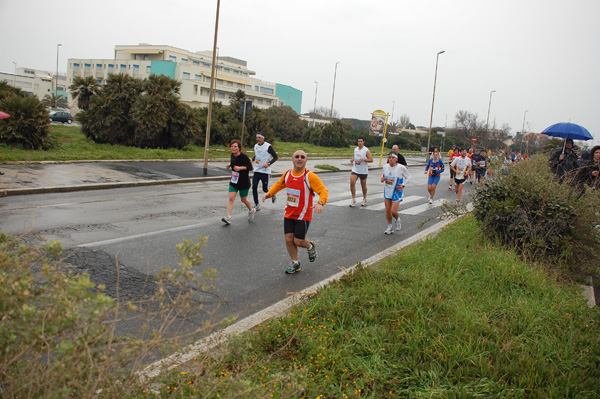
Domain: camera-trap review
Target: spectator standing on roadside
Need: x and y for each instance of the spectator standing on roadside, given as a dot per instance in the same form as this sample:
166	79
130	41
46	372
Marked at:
240	166
401	159
301	184
434	167
589	173
360	170
563	162
264	157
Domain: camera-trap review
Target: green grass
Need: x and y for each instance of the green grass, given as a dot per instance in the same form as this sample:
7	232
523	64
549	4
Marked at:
328	167
449	317
74	146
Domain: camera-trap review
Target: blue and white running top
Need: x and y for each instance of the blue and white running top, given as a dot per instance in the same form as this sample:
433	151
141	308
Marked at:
392	178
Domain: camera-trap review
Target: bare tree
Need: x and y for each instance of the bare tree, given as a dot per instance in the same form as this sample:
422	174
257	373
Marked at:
404	121
325	113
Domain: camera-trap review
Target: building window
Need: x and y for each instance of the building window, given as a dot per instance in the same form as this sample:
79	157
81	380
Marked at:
195	90
269	102
172	58
221	95
206	64
260	100
184	60
227	69
123	66
266	90
195	62
220	81
186	75
149	69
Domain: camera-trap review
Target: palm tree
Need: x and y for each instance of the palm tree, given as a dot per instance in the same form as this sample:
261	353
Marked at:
54	101
83	89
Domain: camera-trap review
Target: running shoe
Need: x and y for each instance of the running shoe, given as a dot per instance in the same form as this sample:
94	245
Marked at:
273	198
312	252
352	203
294	267
398	224
226	220
251	213
449	187
389	230
364	203
430	200
257	207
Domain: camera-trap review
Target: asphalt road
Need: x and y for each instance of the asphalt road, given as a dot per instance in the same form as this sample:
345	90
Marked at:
141	226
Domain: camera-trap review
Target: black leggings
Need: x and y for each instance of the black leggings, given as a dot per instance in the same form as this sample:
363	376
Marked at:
264	178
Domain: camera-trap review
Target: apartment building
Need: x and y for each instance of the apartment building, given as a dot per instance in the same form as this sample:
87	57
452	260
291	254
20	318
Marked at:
192	69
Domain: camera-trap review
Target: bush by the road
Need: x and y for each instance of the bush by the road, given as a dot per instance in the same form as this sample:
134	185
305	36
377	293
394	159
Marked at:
57	328
28	126
542	219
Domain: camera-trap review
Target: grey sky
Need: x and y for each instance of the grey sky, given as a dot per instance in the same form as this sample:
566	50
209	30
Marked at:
539	55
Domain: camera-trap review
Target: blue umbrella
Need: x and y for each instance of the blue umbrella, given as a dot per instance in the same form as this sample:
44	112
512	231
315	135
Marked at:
568	131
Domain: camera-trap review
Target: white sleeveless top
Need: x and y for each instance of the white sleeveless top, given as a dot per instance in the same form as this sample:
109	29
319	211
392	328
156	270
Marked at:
360	166
262	156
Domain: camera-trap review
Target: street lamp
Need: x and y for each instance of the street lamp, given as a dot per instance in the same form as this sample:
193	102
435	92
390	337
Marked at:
523	130
433	101
333	93
15	77
393	106
489	105
315	106
213	78
56	84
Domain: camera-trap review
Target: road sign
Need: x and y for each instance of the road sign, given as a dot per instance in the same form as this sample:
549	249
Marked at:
474	139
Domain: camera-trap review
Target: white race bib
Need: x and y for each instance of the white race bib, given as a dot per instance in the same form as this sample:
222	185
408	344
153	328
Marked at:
235	176
293	197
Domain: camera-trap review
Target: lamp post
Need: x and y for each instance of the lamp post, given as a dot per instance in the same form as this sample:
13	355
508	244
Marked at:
432	102
489	105
56	83
333	93
393	106
315	106
210	95
15	77
523	130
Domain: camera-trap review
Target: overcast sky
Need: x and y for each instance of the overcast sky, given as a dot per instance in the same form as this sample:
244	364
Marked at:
539	55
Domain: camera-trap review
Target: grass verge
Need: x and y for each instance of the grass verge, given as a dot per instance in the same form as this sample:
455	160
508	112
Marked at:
74	146
447	317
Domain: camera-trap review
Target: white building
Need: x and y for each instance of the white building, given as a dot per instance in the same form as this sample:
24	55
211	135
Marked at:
35	82
193	70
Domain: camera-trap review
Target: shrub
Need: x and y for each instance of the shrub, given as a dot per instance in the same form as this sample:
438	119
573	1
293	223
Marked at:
58	330
29	124
541	218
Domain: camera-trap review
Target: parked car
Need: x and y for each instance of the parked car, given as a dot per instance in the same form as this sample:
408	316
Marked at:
61	116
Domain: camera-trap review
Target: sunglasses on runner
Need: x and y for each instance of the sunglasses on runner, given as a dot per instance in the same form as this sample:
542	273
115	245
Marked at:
299	156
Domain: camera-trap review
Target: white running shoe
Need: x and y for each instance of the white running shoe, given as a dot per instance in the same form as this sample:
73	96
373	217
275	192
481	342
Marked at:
364	203
226	220
430	200
398	224
389	230
257	207
251	213
352	203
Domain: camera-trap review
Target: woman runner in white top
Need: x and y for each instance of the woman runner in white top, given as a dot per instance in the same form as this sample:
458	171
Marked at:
395	177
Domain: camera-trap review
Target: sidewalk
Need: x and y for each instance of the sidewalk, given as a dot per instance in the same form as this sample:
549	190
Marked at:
48	177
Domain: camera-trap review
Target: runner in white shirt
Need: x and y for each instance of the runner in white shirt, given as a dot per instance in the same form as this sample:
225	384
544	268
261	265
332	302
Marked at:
395	177
360	169
461	167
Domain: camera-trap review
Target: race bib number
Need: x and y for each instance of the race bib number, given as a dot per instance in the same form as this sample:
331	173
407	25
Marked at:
357	161
389	181
235	176
293	197
461	173
482	164
258	160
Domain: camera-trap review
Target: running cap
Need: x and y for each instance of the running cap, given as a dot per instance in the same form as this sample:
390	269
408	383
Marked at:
393	154
260	135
